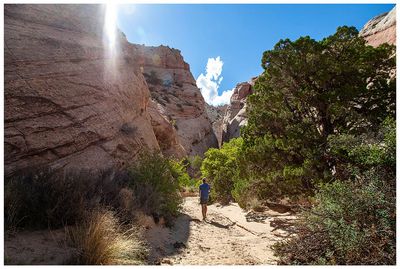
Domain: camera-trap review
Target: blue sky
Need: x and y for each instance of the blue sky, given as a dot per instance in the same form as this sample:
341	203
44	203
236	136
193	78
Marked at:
236	33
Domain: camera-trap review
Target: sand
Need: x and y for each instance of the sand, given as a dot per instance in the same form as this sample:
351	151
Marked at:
226	238
37	248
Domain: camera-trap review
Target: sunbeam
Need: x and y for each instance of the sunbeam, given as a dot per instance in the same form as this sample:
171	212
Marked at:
110	24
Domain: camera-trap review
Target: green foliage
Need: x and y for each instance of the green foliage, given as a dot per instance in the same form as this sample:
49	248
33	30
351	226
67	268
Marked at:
195	162
155	183
353	223
220	166
354	219
178	172
310	91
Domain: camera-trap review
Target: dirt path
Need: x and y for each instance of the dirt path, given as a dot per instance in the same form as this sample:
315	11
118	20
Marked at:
226	238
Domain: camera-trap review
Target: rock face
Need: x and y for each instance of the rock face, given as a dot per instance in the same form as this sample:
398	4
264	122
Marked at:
381	29
216	116
178	100
71	101
235	115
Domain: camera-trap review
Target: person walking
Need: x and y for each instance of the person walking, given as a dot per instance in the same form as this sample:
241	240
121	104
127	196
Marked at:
204	191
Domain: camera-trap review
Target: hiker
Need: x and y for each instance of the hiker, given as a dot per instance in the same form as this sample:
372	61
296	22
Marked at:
204	190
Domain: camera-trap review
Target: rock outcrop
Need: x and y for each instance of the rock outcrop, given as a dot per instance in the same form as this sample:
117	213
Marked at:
381	29
216	116
72	101
235	115
178	100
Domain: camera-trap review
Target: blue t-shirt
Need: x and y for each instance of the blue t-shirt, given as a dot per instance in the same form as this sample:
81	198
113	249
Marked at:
204	189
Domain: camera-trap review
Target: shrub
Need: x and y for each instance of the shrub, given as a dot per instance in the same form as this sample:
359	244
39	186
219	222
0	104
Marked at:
101	240
220	167
156	190
178	172
40	198
353	223
194	166
354	219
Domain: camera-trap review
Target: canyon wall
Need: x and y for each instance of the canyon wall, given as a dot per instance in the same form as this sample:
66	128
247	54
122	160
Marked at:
177	99
235	116
72	101
381	29
216	116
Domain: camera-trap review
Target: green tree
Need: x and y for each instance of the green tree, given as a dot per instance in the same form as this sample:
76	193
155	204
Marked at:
310	90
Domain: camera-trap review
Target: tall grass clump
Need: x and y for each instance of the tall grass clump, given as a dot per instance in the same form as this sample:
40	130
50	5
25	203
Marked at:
101	240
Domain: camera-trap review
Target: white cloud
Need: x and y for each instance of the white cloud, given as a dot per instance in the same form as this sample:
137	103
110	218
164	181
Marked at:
209	83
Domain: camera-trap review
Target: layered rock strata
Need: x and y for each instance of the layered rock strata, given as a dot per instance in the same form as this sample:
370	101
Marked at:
381	29
73	101
174	91
235	116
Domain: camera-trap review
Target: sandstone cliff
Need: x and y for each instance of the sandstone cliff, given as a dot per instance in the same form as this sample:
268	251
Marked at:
178	100
216	116
235	115
381	29
71	102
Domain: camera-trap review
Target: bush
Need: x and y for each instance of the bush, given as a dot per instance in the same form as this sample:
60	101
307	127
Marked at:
353	223
354	219
41	198
101	240
194	166
178	172
156	190
220	167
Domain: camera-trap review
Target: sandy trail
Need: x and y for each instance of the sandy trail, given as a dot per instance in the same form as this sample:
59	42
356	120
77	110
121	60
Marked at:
226	238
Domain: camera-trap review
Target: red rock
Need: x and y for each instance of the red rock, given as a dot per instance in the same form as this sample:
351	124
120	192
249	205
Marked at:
381	29
63	106
71	103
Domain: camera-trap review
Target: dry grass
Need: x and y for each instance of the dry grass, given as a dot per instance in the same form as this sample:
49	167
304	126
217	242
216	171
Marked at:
100	240
256	205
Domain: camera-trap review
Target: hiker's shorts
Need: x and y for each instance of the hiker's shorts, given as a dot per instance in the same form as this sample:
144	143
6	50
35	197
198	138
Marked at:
203	201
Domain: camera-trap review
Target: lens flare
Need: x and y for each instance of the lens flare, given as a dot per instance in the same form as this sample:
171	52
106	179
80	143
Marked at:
110	24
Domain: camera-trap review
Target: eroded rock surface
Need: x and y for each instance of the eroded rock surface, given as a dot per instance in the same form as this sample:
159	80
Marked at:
381	29
178	99
216	116
235	115
72	101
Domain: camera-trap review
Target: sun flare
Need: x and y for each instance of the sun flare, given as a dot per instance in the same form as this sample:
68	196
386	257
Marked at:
110	24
